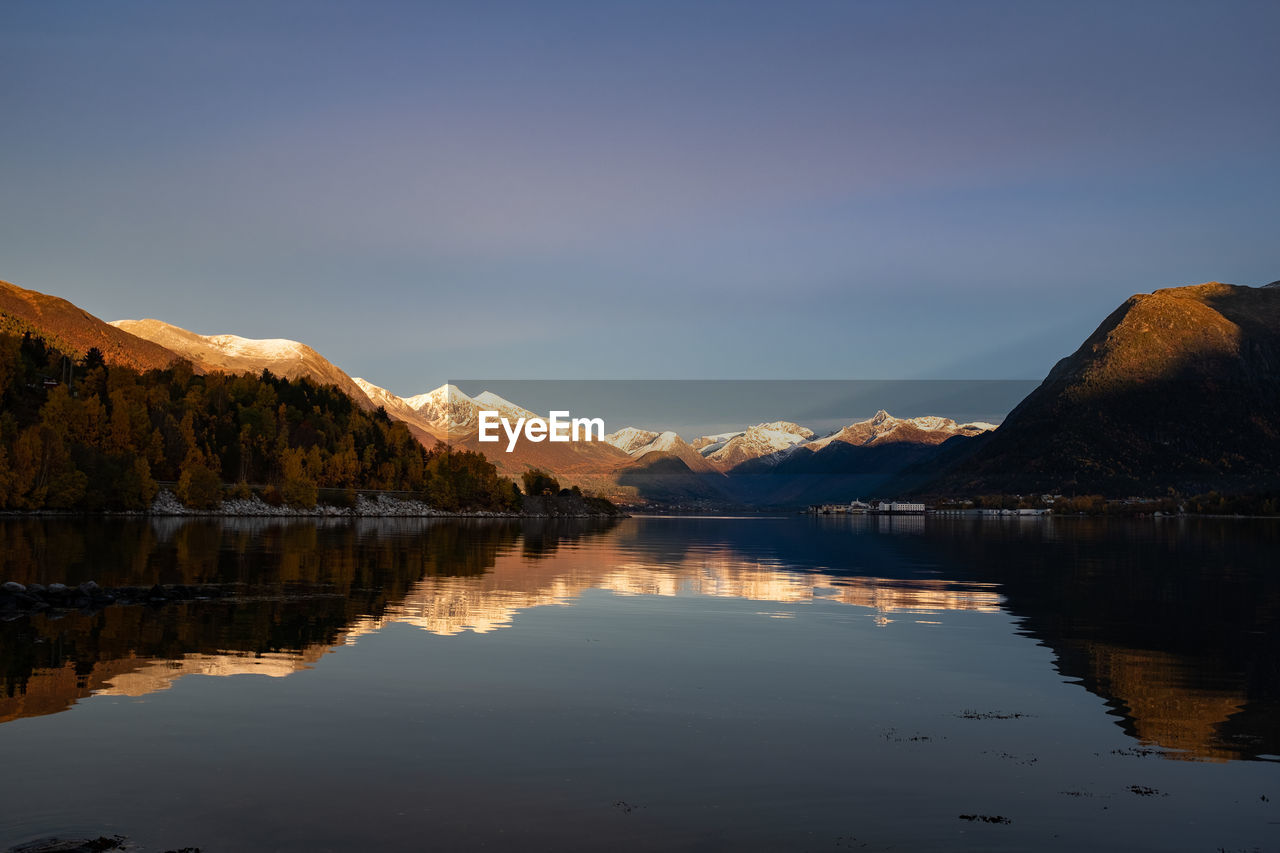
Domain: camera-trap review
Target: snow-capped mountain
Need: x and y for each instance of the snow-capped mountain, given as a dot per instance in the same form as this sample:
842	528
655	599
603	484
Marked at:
711	443
490	401
449	409
883	428
234	354
628	439
766	446
395	406
446	409
400	410
670	445
662	441
627	457
443	412
448	414
757	441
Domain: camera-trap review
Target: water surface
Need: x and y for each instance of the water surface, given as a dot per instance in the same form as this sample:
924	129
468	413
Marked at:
700	684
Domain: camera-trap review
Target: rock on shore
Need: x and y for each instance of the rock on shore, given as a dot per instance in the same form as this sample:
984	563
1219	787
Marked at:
384	506
381	506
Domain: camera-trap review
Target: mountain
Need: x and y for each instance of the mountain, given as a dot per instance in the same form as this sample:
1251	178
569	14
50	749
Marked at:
1177	389
711	443
865	459
781	463
399	410
395	406
234	354
490	401
74	330
668	469
884	428
629	439
442	414
631	462
881	443
448	414
761	440
670	445
446	411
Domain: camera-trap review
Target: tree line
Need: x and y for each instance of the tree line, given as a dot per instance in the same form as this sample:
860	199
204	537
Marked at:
79	434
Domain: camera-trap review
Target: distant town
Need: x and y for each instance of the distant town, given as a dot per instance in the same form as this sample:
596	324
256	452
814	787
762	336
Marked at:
1022	506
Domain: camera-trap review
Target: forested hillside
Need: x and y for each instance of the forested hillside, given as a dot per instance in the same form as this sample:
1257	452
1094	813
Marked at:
81	434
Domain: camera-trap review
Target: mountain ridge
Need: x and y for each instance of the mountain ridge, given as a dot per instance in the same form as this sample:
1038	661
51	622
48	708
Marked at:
1178	389
75	331
1175	389
233	354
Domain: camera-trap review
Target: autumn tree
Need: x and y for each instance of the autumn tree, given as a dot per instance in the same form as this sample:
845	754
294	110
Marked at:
539	482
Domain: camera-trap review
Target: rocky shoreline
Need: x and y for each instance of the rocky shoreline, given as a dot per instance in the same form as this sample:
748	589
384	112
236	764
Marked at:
101	844
381	506
166	504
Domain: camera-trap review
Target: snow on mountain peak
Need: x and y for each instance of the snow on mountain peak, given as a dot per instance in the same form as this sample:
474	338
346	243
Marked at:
394	405
782	428
492	402
375	393
629	439
883	427
445	408
438	397
932	422
272	348
760	440
488	398
665	441
709	444
203	347
638	442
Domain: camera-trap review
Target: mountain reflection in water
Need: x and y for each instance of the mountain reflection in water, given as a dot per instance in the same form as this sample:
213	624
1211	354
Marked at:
1173	624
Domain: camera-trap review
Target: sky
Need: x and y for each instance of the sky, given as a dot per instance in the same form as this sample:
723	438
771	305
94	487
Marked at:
738	190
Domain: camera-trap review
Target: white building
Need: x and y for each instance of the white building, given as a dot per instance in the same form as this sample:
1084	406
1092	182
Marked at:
899	507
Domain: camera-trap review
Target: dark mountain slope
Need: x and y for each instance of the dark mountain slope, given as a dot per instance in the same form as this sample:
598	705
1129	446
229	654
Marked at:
1177	389
74	330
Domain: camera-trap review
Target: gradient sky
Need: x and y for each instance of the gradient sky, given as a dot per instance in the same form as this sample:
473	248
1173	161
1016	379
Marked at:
640	190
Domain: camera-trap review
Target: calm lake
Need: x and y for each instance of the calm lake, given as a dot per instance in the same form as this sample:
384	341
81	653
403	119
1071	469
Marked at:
793	683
